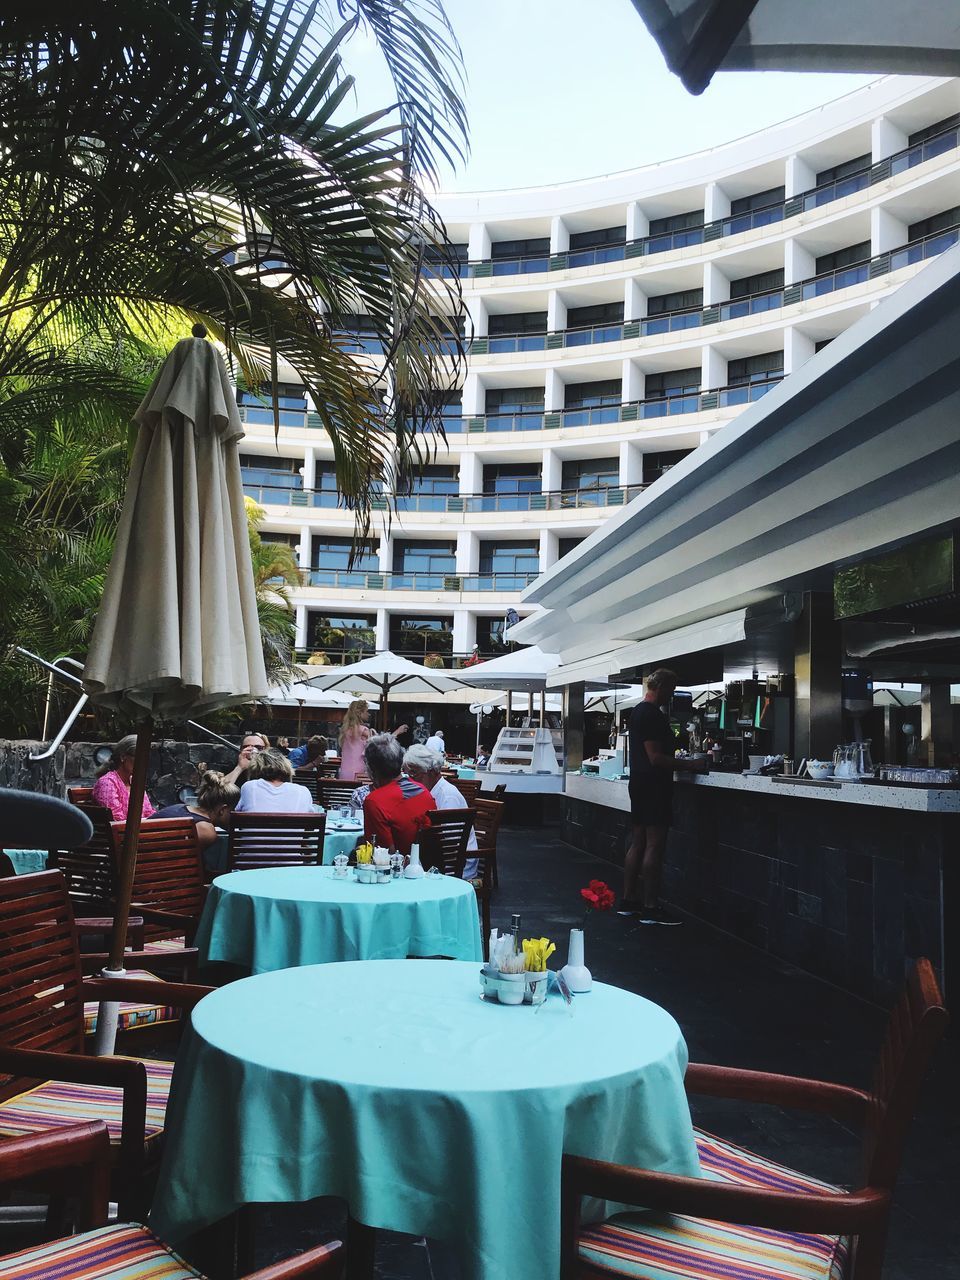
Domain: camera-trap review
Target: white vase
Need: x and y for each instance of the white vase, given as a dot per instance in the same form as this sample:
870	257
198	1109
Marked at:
414	869
575	973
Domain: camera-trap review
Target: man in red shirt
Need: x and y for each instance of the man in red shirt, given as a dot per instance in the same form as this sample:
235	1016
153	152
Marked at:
396	809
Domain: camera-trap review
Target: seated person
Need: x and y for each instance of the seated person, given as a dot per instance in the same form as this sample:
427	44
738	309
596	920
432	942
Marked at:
396	807
483	756
270	787
215	801
250	744
358	796
309	755
112	787
423	766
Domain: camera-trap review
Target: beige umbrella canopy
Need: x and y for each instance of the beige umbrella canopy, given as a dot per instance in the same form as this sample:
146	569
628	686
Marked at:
177	631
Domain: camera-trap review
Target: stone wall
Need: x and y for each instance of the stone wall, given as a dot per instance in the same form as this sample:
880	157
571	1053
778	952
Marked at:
173	765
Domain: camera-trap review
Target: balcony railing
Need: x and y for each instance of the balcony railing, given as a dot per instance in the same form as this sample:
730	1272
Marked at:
353	651
731	225
453	582
553	500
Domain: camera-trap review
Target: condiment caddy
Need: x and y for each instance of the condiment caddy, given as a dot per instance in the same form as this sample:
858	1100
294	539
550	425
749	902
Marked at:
516	974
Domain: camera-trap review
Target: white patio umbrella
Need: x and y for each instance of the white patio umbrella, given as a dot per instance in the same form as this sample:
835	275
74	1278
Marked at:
613	700
177	632
523	671
382	674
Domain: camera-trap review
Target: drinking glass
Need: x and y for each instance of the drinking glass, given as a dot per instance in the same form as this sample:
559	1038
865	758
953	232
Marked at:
340	866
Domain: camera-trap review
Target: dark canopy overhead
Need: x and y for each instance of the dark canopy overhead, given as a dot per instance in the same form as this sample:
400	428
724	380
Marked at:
699	37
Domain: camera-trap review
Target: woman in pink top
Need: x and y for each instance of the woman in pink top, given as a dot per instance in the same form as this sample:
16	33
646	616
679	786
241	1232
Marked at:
112	788
354	733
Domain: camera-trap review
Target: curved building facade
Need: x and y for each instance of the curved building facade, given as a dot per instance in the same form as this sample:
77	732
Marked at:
614	325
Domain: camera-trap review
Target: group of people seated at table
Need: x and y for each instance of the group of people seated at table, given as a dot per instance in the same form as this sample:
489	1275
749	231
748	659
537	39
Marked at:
403	788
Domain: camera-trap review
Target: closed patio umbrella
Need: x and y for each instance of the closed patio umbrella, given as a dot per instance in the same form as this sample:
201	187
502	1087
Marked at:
383	674
177	632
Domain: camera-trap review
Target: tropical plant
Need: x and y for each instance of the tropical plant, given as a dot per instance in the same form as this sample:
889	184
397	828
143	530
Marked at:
192	159
275	571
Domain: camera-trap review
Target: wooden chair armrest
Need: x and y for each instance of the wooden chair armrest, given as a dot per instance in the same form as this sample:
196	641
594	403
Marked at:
325	1260
102	924
152	959
845	1213
181	995
76	1068
837	1100
75	1160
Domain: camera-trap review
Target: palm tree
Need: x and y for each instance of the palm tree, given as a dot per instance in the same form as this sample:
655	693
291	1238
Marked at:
163	161
275	570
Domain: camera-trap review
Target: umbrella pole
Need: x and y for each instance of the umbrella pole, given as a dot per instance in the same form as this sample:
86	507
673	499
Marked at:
107	1016
385	710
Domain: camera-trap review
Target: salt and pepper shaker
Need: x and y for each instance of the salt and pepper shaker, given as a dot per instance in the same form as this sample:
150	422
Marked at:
515	930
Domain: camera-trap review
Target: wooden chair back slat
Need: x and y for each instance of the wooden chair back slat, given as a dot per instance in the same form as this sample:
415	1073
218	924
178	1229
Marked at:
169	872
331	792
469	788
443	843
489	817
499	791
80	795
259	840
40	1002
915	1027
89	869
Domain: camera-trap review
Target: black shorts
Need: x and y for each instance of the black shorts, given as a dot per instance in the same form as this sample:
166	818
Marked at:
651	800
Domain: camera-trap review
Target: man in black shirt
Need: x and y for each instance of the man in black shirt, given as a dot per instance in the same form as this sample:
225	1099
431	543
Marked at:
652	764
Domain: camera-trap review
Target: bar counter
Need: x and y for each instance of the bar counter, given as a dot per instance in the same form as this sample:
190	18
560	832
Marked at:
848	881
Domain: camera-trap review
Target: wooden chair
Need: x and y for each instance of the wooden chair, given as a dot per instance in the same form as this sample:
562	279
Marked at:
489	817
331	791
89	868
75	1164
469	788
444	844
499	792
259	840
42	995
789	1223
80	795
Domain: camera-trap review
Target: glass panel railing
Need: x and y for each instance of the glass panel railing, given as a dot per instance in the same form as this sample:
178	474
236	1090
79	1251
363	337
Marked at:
276	495
527	421
671	240
516	342
595	333
498	581
752	218
368	344
260	416
591	417
747	392
443	270
667	406
751	305
597	254
357	578
423	501
671	322
509	266
831	191
328	498
834	280
928	247
425	580
912	156
503	501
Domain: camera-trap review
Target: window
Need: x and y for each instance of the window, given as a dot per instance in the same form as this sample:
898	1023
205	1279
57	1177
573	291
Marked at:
347	633
516	323
682	300
754	368
931	131
429	490
535	247
676	222
591	473
490	637
840	258
673	382
591	395
601	314
261	473
419	636
517	559
936	222
326	492
430	558
845	170
331	553
596	239
448	262
258	403
762	282
566	545
657	464
818	346
291	540
511	478
514	400
759	200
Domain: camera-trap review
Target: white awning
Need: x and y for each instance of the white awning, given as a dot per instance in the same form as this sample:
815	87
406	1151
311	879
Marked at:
729	628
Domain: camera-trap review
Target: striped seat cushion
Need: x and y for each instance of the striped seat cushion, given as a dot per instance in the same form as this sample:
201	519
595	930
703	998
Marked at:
58	1103
131	1014
161	946
121	1252
670	1247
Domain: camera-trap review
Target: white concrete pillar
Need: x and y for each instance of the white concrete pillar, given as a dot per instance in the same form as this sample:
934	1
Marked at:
556	312
468	551
549	549
798	262
309	468
300	638
713	369
716	203
551	472
383	630
559	236
634	301
716	286
886	138
473	397
631	382
385	553
886	231
553	394
478	242
800	176
631	464
798	347
638	224
476	321
471	473
303	550
464	631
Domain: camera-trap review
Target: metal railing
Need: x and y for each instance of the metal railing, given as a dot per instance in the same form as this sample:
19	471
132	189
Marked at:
452	582
338	656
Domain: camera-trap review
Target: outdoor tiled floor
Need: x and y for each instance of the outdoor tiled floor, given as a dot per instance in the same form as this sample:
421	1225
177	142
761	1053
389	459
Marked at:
736	1006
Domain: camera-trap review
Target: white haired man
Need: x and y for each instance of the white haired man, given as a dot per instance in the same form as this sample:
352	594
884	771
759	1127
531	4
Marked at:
424	765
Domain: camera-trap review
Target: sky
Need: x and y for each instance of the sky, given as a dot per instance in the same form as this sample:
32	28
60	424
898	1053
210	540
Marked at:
565	89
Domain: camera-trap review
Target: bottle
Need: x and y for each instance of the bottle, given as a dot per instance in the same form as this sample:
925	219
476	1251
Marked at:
515	930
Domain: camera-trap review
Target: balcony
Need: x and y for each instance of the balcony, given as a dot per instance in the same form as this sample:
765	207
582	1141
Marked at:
734	224
448	583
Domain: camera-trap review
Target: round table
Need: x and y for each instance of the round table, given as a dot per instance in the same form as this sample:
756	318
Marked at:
27	861
290	916
340	839
430	1111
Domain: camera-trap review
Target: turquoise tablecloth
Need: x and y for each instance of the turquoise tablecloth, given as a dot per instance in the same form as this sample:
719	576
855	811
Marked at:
265	920
393	1085
466	771
27	860
337	840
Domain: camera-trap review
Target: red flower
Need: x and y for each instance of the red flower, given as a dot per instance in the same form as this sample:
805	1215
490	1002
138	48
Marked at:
598	896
